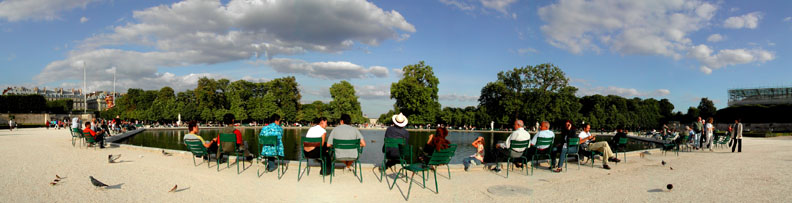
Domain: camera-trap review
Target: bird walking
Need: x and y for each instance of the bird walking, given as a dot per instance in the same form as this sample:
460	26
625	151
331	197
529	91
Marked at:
663	162
97	183
174	188
57	176
165	153
112	159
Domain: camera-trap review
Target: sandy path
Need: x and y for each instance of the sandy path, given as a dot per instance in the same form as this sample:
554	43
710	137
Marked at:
32	157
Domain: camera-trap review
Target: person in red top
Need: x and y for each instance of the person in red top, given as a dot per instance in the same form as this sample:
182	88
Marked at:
97	136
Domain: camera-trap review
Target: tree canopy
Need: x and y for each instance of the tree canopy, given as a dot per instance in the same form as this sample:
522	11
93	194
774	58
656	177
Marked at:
416	94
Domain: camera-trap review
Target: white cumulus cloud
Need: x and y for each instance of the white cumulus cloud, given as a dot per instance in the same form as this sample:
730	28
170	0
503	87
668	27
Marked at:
458	97
726	57
195	32
624	92
83	19
748	21
326	70
715	38
16	10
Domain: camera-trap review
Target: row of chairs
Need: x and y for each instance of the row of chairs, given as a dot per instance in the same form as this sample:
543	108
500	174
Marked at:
408	163
573	149
199	150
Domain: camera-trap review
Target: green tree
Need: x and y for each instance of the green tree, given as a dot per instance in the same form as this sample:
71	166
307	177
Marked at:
416	94
345	102
706	108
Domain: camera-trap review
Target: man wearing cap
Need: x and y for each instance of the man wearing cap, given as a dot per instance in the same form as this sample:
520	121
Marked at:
395	131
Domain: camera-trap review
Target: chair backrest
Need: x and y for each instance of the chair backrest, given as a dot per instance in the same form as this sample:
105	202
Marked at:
272	140
304	139
544	141
88	137
346	144
76	132
443	156
227	137
392	143
622	141
196	147
518	144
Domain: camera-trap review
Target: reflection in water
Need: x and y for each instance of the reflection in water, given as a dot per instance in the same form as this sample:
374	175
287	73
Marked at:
372	153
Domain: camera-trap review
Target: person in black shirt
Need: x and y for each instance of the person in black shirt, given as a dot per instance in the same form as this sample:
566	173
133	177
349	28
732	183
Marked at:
397	131
568	132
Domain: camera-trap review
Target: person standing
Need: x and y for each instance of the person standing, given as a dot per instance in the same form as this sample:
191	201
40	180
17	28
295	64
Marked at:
10	124
710	129
273	129
396	131
75	122
737	136
697	128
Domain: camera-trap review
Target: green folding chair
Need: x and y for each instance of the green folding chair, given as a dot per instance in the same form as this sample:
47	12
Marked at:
197	149
573	149
514	144
77	137
439	157
90	140
347	144
231	138
304	157
621	144
389	143
273	142
541	141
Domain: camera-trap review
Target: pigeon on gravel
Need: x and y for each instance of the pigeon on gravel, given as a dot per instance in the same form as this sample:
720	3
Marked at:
174	188
97	183
112	159
663	162
166	153
670	186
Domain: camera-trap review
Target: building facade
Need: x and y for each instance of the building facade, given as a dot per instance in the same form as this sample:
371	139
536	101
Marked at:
100	100
763	96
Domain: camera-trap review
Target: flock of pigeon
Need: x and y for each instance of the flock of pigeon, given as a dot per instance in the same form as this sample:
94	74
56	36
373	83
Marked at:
110	159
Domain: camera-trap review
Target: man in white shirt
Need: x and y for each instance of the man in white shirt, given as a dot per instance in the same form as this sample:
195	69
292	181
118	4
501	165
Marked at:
75	122
519	134
587	143
544	132
311	149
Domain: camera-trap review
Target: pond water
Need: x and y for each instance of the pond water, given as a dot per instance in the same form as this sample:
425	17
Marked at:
372	153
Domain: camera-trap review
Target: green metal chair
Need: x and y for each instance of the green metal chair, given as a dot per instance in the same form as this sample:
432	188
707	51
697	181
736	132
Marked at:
405	153
573	148
270	141
448	168
77	137
347	144
621	144
439	157
389	143
198	150
229	137
541	141
304	157
724	141
513	144
671	146
90	139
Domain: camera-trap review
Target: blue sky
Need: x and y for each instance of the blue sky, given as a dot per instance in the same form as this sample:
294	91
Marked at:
681	50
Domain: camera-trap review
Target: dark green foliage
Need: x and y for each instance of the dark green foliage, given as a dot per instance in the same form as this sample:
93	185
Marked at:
23	104
416	94
212	100
60	106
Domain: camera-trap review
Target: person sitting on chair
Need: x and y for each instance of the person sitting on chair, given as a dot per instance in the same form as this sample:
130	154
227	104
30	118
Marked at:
97	136
273	129
519	134
396	131
346	132
587	143
312	149
192	128
544	132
